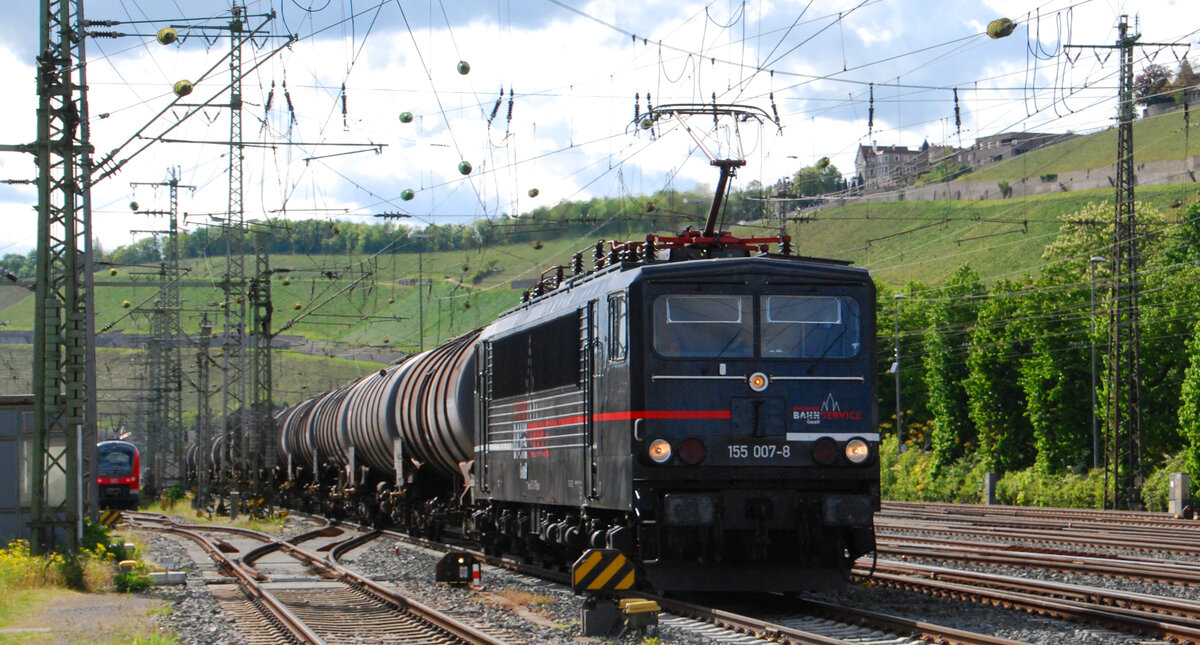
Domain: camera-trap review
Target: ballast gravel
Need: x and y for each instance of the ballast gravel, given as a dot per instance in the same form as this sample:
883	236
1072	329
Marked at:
521	609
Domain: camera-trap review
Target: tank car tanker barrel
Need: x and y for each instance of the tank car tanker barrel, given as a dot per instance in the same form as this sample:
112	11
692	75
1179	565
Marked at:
324	423
436	409
294	439
370	416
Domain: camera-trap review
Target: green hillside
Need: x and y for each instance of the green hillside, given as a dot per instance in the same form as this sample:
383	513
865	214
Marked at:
121	373
1161	138
927	241
374	301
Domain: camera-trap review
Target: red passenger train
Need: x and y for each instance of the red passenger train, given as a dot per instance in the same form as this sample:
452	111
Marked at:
118	474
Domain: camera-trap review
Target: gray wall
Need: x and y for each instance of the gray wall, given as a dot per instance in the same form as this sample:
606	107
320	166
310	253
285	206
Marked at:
16	440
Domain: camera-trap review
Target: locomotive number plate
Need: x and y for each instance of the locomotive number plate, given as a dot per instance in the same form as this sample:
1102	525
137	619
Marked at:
759	451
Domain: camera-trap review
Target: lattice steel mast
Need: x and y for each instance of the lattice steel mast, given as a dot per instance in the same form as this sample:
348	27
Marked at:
64	410
233	344
167	445
262	453
1123	381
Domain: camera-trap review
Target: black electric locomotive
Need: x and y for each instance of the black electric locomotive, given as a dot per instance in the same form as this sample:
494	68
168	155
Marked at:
713	418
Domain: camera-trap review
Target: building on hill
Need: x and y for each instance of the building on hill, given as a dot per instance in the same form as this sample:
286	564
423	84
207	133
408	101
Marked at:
880	168
883	167
1191	96
998	147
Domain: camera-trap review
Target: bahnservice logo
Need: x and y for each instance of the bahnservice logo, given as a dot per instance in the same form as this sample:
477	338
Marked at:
829	410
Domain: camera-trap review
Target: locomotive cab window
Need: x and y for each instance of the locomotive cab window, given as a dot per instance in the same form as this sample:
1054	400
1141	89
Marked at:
618	328
810	327
687	326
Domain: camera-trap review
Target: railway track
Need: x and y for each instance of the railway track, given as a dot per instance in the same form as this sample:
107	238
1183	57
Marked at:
291	594
1172	572
786	620
1156	616
1063	528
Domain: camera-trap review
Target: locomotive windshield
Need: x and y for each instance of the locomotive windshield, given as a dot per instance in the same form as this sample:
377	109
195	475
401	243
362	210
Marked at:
722	326
809	327
115	462
704	326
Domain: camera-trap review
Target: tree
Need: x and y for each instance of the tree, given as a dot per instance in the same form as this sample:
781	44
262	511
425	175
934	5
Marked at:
995	398
952	314
1152	85
1185	79
1189	411
818	179
1055	373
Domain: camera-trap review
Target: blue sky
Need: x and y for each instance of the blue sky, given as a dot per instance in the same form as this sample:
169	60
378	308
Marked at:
574	68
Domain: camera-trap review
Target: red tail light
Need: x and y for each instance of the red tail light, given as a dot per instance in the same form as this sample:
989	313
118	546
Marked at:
691	451
825	451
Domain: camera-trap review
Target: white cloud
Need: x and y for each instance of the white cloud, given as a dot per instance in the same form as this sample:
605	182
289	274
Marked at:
572	134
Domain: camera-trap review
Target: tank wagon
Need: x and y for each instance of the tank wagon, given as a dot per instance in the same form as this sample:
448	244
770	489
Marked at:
701	404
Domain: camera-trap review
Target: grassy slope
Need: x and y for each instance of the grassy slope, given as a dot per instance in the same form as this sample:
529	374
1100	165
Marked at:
897	241
120	375
1158	139
927	241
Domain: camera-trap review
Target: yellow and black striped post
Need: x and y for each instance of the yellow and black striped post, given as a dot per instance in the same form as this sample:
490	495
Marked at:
603	571
110	517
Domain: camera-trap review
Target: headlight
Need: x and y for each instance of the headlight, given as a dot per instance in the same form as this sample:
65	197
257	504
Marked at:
857	451
660	451
758	381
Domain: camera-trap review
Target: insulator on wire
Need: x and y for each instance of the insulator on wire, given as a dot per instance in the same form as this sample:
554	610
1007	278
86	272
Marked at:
291	108
270	99
957	113
650	115
714	99
871	110
775	111
288	97
510	103
345	125
496	108
637	107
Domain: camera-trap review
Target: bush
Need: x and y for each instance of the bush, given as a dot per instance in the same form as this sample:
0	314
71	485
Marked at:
173	496
21	570
1157	487
131	580
491	268
910	477
1032	488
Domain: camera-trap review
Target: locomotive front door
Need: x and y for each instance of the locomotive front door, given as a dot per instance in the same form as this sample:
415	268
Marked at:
593	365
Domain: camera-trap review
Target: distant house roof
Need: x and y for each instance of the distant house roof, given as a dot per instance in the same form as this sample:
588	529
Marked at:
865	151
